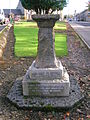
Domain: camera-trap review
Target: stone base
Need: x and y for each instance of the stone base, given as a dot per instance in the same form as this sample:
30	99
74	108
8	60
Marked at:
16	97
46	81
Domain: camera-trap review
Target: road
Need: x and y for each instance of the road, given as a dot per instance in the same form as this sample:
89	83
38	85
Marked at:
83	30
2	27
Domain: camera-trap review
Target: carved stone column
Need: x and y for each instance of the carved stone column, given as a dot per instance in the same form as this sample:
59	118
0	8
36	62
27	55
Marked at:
46	57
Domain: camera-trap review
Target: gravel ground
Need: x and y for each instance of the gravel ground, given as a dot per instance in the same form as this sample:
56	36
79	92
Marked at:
77	63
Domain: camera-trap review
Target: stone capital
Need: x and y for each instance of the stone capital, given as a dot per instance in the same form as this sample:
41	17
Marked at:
45	21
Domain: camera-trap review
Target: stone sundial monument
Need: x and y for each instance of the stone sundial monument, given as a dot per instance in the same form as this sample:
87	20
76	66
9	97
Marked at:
46	76
46	82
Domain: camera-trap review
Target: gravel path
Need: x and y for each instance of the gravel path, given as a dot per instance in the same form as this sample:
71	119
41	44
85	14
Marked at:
77	63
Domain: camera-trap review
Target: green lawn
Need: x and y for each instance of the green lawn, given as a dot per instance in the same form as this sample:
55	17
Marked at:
26	34
60	26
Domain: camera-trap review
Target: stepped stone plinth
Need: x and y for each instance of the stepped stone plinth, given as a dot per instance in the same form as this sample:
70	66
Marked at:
46	81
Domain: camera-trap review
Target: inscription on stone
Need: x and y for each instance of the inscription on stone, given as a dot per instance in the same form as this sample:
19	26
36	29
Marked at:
45	74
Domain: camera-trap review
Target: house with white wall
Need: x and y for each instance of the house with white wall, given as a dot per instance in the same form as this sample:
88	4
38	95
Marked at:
83	16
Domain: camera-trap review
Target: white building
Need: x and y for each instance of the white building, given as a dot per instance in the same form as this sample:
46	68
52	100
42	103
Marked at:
83	16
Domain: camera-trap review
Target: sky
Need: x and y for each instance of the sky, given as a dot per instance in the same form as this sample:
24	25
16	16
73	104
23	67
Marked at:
78	5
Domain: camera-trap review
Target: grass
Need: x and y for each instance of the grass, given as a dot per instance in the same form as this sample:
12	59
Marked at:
60	26
26	41
60	44
26	34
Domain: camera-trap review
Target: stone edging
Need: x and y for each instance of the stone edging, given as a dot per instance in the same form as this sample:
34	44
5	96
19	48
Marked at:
3	40
81	38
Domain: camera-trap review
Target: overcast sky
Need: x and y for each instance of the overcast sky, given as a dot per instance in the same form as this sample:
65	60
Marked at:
78	5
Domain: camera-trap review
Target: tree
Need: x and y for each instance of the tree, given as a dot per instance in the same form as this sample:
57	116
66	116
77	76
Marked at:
88	5
44	6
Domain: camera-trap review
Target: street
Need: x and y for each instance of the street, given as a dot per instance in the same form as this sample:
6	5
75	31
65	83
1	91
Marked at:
2	27
84	23
83	30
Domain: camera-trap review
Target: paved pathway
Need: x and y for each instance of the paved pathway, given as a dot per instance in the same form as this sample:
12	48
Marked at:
2	27
83	30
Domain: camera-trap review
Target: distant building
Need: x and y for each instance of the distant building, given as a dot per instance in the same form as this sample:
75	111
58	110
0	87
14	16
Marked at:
20	7
18	11
28	14
83	16
88	17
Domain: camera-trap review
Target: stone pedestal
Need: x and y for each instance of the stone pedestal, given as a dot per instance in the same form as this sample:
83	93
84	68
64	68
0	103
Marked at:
46	76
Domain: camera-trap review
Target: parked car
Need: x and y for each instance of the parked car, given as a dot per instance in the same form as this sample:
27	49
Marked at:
2	17
70	19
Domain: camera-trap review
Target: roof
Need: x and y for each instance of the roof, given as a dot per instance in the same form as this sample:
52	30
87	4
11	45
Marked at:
84	11
14	11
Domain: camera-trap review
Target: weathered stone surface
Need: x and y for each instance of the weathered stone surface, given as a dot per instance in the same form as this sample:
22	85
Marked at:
45	73
46	57
45	21
46	81
3	40
16	96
